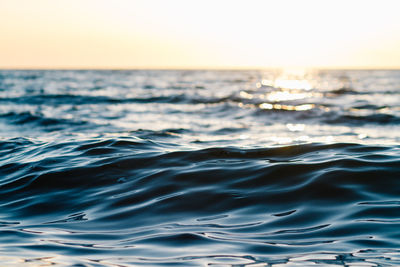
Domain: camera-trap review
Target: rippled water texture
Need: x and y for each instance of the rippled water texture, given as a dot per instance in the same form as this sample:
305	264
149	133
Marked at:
200	168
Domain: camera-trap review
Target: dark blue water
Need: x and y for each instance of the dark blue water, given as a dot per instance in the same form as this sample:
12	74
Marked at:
200	168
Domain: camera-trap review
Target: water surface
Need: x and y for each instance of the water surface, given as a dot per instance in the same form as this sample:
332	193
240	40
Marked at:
200	168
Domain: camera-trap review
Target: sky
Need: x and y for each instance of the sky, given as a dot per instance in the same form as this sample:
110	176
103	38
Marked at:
199	34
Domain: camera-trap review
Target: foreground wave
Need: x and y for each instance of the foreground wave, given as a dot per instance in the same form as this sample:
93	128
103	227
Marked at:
131	201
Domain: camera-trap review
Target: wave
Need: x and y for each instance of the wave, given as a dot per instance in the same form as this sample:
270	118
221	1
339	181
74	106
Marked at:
39	119
145	198
172	98
59	99
386	119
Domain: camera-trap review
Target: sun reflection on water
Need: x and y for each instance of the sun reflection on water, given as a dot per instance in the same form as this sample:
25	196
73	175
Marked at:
295	127
277	96
287	107
293	84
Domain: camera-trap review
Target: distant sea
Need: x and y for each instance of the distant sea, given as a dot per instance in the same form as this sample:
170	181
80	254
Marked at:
200	168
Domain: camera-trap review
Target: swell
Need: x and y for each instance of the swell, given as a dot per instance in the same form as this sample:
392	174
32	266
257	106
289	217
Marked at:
188	181
59	99
170	97
140	197
37	118
290	111
386	119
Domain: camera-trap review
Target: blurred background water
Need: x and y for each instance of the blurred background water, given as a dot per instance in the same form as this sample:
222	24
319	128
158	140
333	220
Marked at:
199	167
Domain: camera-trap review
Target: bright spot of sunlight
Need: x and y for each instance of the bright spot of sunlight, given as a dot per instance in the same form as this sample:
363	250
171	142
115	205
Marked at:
296	127
286	107
292	84
277	96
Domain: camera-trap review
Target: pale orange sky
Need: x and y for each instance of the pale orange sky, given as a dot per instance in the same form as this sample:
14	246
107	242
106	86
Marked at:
198	34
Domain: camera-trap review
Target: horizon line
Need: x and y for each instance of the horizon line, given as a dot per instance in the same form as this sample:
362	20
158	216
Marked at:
201	68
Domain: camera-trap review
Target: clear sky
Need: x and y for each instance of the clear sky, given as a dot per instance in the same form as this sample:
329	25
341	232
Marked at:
203	33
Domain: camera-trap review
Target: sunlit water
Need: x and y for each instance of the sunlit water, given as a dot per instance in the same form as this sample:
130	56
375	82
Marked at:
200	168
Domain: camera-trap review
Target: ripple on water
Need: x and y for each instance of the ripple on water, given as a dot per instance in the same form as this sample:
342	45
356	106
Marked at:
190	207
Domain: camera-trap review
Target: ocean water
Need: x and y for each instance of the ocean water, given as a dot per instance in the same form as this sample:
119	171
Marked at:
200	168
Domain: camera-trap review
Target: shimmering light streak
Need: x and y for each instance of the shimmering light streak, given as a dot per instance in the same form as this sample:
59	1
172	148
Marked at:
287	107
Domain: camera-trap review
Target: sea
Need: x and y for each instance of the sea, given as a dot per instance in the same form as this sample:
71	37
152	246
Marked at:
272	167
